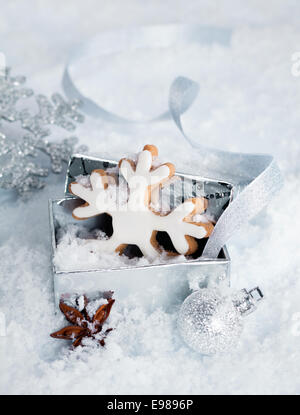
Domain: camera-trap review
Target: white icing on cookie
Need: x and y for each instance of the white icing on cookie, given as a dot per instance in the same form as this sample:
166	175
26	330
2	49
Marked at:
133	222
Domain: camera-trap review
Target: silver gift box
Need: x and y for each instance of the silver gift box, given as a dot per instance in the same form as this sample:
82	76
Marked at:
152	285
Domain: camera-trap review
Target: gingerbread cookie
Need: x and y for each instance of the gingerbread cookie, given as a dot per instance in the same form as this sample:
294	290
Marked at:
134	222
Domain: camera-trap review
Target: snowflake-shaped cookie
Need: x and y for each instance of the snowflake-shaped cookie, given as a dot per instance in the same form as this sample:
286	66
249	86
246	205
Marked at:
134	222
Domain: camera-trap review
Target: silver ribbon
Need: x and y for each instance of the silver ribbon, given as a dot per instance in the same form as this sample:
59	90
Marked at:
257	176
109	43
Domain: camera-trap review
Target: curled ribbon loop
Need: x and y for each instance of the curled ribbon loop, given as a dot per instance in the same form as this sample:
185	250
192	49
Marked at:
256	175
110	43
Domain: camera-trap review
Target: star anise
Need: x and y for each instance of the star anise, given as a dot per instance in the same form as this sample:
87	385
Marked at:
84	326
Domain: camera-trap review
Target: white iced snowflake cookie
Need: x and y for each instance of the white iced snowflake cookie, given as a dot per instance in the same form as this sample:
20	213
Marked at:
134	222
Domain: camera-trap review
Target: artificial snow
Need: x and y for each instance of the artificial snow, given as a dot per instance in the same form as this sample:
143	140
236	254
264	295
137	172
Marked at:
249	101
73	254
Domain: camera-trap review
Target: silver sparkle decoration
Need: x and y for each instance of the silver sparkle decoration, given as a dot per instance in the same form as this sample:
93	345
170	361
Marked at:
17	167
10	93
60	152
211	323
58	112
17	170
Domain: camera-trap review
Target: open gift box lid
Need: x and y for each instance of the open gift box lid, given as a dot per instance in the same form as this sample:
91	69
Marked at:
175	280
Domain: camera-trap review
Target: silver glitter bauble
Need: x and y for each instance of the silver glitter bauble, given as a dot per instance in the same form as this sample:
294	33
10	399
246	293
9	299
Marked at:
209	323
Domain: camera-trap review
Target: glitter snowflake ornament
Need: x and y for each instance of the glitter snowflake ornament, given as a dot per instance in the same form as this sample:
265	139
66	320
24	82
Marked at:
18	167
60	153
55	112
10	93
211	323
19	172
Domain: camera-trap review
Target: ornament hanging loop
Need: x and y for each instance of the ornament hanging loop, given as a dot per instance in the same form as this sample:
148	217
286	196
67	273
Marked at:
245	301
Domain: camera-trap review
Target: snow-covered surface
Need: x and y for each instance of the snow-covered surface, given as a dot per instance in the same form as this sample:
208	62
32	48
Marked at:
249	102
73	254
